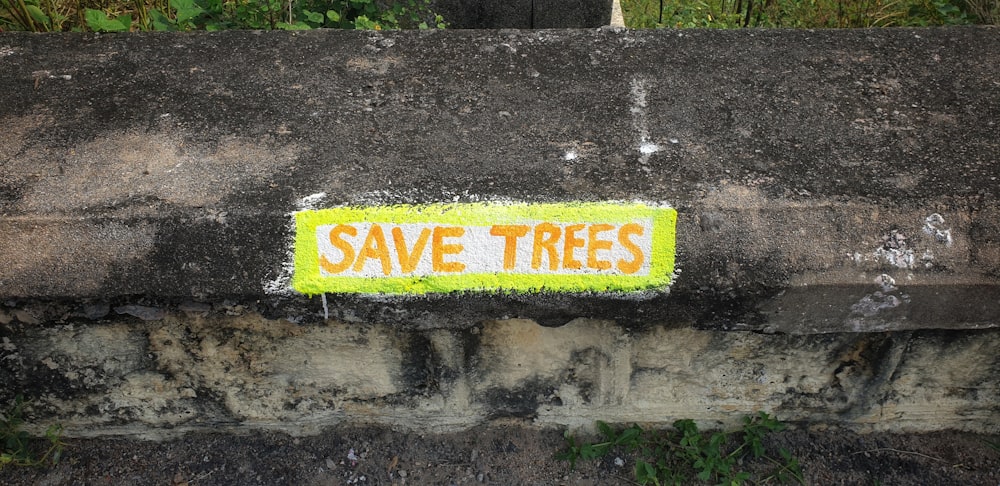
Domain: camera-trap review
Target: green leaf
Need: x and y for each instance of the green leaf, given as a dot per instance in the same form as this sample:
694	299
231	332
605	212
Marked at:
606	430
947	9
716	441
361	22
186	10
587	452
53	432
568	455
686	426
572	453
161	22
94	18
630	436
98	21
314	17
644	472
333	15
38	16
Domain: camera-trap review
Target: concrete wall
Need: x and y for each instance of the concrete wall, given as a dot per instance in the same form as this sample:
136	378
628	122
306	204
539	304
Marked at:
838	237
525	14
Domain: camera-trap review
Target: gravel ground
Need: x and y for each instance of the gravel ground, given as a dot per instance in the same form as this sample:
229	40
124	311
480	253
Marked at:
501	453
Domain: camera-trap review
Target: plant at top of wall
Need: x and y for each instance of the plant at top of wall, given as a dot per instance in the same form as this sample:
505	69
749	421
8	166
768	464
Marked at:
213	15
810	14
16	448
32	15
938	12
685	454
987	11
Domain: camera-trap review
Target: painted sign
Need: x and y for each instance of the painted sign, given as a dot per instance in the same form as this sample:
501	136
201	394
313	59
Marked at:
417	249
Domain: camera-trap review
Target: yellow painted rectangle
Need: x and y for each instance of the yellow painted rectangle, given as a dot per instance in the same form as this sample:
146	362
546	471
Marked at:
433	248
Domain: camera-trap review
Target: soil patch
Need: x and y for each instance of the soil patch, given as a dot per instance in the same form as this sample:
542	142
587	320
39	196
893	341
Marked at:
512	453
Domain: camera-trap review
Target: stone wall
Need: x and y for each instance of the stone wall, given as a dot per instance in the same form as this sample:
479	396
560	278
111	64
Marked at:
837	236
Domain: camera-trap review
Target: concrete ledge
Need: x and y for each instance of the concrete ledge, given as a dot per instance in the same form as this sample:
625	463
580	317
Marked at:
854	170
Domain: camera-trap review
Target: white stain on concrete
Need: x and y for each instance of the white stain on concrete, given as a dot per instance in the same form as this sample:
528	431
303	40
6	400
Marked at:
934	226
648	148
903	259
281	284
868	307
639	122
576	149
894	251
887	283
310	202
898	251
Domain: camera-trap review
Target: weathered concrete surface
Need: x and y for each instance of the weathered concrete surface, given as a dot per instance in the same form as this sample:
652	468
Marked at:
210	370
836	191
825	181
524	14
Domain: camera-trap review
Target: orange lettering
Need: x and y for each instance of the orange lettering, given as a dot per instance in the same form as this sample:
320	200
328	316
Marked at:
341	245
439	249
570	244
547	244
632	266
408	261
374	247
594	244
510	233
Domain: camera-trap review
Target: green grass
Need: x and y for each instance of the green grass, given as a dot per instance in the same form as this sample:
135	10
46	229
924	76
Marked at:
186	15
685	454
809	14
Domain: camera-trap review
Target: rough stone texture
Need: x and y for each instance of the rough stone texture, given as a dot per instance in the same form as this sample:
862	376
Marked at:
189	372
825	181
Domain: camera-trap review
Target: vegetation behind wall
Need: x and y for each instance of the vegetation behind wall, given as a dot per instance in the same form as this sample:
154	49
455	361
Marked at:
185	15
808	14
